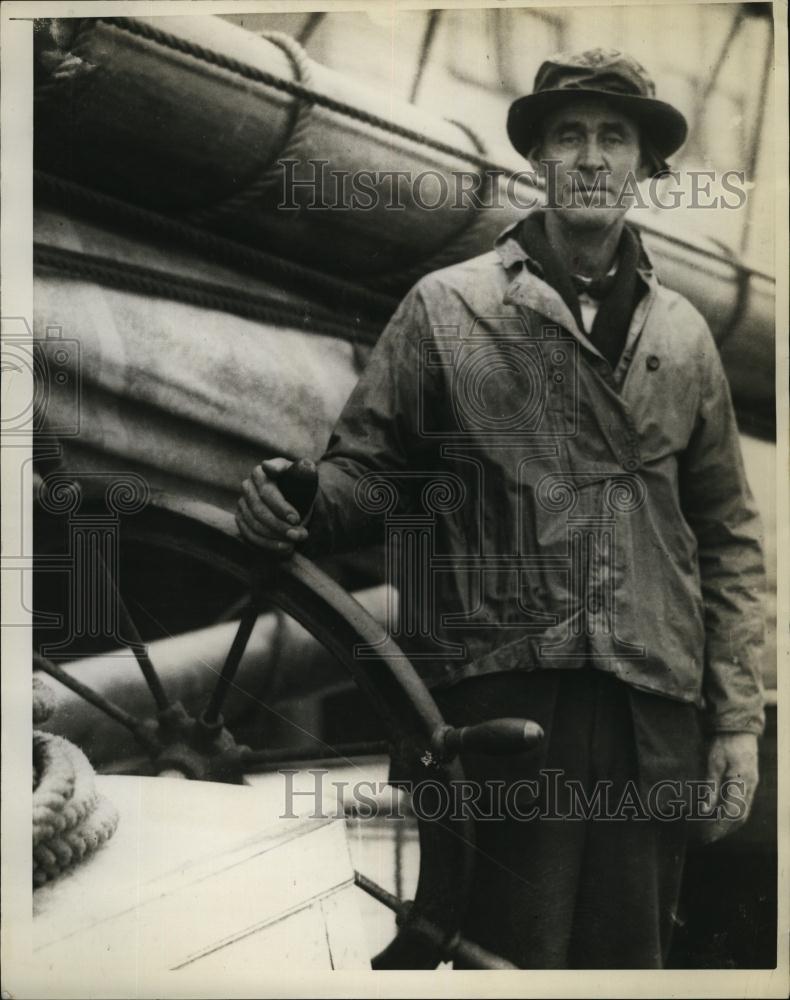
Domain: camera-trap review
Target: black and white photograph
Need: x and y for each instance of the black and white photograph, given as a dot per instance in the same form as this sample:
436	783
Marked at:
394	527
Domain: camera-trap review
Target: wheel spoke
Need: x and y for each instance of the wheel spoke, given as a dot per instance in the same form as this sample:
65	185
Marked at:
134	641
265	760
231	665
191	532
140	650
232	611
451	946
135	726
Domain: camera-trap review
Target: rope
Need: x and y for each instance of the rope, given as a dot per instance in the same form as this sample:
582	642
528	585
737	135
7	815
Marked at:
65	793
43	701
219	248
63	69
297	132
463	244
298	90
148	281
70	819
466	244
307	97
459	246
74	846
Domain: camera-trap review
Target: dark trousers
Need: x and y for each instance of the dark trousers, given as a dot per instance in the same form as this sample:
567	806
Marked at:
577	893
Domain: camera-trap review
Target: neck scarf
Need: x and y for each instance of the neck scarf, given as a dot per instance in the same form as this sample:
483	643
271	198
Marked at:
618	295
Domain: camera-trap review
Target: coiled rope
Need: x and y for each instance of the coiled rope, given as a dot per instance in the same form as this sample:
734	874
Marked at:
71	820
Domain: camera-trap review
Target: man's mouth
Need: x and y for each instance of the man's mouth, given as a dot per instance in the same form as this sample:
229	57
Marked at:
593	187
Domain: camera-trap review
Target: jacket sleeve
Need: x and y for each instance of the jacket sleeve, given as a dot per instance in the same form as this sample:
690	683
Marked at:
377	432
719	506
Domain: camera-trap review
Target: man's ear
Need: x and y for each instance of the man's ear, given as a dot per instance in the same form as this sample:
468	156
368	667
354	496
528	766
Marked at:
650	162
534	156
645	169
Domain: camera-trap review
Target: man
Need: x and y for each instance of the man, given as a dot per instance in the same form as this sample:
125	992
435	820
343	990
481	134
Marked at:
602	568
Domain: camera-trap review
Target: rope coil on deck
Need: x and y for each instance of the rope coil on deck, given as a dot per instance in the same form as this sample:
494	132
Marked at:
71	819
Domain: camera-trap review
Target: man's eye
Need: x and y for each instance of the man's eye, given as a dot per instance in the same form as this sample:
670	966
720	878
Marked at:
612	139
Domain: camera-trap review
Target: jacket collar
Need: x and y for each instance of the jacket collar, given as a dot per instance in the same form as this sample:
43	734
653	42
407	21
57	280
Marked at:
510	251
528	289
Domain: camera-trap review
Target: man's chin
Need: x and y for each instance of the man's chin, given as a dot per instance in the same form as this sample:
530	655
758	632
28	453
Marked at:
589	217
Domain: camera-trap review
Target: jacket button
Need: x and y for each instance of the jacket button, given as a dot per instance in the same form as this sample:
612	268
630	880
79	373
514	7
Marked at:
630	465
652	362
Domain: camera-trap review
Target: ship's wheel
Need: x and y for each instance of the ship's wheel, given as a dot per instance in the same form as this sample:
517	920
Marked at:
199	745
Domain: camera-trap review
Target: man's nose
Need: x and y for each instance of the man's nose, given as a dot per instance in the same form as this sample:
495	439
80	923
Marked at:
591	156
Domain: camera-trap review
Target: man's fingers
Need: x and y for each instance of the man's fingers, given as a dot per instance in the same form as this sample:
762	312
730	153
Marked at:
740	785
253	533
263	515
733	770
267	520
717	763
715	830
270	494
274	466
251	530
269	545
282	550
727	820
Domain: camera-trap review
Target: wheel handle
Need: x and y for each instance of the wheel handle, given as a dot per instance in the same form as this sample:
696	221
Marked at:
299	485
497	737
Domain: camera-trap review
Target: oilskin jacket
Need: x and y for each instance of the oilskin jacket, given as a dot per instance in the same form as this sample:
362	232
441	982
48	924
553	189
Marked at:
540	510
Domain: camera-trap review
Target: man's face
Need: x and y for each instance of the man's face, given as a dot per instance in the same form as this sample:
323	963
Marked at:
598	155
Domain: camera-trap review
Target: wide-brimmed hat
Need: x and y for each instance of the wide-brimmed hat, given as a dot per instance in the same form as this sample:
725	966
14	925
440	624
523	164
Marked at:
599	73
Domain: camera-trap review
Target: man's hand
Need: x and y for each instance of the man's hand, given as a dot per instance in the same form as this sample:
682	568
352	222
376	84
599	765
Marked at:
732	757
263	515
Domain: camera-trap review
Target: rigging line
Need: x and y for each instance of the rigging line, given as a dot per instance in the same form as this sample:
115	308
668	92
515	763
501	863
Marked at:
134	26
754	144
710	83
425	51
308	94
309	27
206	295
217	247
